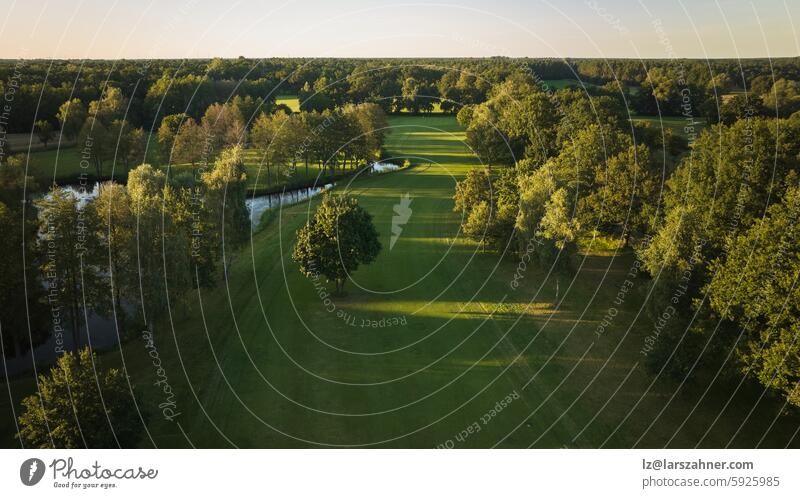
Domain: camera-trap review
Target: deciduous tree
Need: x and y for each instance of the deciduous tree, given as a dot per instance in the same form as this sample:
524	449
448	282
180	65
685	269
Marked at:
756	287
78	405
336	241
44	130
71	115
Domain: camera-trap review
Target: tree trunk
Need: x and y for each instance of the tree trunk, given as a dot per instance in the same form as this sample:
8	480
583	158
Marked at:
118	302
75	330
626	237
339	286
73	308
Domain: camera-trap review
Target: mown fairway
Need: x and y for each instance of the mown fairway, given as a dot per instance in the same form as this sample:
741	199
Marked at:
264	361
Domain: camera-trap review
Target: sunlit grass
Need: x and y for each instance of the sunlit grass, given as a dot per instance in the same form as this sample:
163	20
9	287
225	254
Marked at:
291	101
675	123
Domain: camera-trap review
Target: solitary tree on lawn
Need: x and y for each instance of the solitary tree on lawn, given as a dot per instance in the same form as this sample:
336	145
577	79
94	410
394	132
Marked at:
336	240
44	130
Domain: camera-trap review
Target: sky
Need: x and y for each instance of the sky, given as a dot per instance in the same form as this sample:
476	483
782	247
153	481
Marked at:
135	29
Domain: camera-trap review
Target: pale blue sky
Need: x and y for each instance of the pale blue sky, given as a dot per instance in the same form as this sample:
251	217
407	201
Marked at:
390	28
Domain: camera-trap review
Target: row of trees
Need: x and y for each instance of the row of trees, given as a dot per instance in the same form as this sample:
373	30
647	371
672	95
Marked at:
159	88
715	229
349	135
135	244
135	248
21	313
342	138
574	156
727	234
102	131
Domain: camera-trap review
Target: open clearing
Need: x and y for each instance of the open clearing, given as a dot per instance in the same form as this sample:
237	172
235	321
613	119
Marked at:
290	101
677	124
426	343
568	83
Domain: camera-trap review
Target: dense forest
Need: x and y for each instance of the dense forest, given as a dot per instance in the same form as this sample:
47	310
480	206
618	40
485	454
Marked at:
712	219
157	88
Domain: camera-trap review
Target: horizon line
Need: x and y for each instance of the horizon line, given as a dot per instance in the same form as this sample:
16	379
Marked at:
454	57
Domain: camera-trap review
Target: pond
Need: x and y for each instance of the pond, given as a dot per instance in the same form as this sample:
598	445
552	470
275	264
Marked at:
255	205
379	167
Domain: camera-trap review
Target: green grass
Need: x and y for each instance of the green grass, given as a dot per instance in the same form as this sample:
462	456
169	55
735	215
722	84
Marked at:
264	362
290	101
675	123
21	142
293	102
635	90
64	166
568	83
580	84
437	109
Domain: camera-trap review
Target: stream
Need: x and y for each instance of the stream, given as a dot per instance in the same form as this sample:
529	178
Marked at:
101	332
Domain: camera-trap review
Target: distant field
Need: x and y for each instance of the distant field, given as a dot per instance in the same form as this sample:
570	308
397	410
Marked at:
294	104
19	142
675	123
437	109
566	83
573	83
290	101
63	165
733	93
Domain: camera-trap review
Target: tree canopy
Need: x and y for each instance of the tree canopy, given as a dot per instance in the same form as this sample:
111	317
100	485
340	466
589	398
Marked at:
78	405
336	241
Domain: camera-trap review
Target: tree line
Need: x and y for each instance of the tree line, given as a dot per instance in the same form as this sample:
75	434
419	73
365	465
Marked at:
132	244
713	222
155	89
336	138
